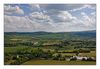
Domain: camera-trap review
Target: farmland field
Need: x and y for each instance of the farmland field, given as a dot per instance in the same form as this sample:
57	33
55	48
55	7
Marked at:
42	48
55	62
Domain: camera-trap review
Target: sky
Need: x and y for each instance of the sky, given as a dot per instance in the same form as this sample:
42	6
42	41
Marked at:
49	17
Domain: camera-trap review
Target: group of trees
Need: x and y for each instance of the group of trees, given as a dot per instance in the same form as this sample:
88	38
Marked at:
23	55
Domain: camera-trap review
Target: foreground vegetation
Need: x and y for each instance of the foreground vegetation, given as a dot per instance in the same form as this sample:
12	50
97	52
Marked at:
55	62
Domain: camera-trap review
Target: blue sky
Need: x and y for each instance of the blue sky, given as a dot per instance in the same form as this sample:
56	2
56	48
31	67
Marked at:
49	17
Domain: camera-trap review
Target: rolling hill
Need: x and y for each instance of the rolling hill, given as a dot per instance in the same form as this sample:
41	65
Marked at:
78	35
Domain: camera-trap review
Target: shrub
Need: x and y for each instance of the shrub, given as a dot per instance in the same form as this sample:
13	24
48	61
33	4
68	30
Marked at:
55	58
90	59
62	59
83	59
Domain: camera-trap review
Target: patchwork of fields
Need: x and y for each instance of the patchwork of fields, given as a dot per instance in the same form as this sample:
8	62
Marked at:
43	48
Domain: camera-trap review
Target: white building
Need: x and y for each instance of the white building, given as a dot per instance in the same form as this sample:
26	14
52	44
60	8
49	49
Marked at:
80	58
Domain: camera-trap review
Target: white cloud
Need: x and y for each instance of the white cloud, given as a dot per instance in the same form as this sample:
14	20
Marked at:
35	7
65	16
88	21
23	24
61	16
8	9
27	24
84	6
51	21
39	16
16	23
72	23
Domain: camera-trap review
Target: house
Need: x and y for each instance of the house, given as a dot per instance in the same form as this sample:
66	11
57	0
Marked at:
80	58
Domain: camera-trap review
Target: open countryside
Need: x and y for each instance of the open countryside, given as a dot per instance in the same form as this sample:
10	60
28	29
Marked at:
50	34
36	48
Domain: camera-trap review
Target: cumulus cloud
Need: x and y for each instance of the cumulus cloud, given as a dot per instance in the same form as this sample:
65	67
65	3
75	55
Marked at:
39	16
89	21
8	9
36	7
62	16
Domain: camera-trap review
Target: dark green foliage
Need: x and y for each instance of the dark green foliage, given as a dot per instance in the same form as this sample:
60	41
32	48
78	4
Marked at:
90	59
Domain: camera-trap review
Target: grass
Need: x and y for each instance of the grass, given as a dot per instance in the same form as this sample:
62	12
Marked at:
91	54
13	49
55	62
68	54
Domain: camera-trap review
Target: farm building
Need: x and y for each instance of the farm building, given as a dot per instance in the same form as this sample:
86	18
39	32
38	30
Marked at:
80	58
